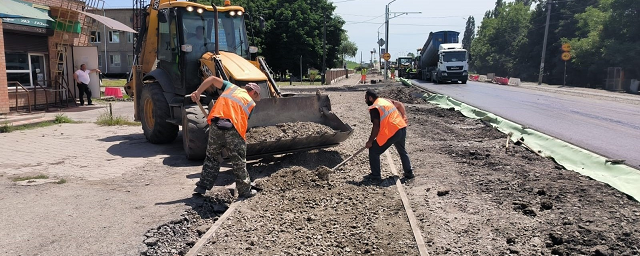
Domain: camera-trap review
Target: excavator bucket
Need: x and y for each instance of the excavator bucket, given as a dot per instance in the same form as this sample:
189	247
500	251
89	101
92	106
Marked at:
314	108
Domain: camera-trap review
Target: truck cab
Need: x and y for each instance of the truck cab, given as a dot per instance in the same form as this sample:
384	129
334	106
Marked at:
452	64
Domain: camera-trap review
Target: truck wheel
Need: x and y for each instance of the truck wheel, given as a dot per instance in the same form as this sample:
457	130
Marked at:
464	81
154	115
194	135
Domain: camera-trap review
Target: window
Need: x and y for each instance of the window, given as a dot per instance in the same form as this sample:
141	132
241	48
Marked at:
114	60
99	60
114	37
129	37
26	69
18	69
95	36
130	60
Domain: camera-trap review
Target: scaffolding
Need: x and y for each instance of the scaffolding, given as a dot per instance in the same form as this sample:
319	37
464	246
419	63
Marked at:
69	21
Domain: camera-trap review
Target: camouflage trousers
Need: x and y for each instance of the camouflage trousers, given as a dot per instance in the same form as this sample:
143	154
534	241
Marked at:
237	146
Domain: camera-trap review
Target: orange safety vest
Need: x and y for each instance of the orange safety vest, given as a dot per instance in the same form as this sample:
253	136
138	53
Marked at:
390	120
234	104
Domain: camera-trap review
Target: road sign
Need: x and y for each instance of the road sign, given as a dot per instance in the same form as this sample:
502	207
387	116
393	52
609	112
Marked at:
386	56
566	56
566	47
381	42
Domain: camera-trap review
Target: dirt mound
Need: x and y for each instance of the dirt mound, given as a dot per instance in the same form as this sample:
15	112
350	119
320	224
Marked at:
298	214
403	94
287	131
176	237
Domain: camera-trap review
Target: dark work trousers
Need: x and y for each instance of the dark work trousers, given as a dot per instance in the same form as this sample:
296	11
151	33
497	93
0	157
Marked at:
82	89
398	140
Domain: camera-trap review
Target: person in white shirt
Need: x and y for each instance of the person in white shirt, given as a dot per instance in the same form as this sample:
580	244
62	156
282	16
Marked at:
82	80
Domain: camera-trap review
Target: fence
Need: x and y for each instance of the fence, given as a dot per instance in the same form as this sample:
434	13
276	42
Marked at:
333	75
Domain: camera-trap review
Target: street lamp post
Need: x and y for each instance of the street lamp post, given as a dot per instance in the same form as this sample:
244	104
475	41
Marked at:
380	45
386	36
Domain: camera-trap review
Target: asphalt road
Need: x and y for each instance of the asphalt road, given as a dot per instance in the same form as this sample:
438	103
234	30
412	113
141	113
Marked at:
609	128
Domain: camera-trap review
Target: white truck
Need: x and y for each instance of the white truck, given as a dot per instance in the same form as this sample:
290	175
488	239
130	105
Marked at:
446	64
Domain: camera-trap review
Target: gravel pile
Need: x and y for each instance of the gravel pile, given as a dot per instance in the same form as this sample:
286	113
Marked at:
287	131
402	94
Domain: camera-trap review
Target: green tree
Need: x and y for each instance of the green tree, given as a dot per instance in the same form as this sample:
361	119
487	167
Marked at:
347	48
500	39
469	33
620	36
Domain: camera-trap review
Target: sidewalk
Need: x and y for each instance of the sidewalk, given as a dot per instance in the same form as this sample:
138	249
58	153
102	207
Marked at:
85	114
582	91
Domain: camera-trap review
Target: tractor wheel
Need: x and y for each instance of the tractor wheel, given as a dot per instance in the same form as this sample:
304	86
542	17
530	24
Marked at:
154	114
194	135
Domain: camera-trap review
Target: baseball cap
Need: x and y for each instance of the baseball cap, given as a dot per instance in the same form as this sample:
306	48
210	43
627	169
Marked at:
255	87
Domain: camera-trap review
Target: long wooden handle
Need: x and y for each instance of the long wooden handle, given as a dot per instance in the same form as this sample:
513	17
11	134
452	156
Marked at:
204	112
349	158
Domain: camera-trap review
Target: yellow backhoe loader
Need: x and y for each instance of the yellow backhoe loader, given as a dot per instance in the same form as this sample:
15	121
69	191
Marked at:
181	43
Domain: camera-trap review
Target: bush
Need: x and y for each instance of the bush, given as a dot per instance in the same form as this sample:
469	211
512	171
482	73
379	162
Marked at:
107	119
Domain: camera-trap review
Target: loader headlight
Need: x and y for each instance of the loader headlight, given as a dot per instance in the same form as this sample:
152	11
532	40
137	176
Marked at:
239	13
253	49
190	8
232	13
200	10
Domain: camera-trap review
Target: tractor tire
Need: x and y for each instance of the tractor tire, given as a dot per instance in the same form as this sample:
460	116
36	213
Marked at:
194	132
154	113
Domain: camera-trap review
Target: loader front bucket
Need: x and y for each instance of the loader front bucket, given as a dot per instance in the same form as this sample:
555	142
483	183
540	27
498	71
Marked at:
314	108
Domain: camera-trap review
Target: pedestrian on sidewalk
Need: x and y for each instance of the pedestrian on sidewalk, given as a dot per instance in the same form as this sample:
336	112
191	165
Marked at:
228	123
81	76
389	120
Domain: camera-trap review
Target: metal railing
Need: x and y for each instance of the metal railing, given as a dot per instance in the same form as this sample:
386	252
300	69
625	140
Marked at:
18	84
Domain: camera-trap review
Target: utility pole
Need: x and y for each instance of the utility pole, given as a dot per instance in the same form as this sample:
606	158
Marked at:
544	44
324	47
386	37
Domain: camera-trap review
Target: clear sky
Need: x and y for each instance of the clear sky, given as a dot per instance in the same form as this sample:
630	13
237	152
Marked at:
406	33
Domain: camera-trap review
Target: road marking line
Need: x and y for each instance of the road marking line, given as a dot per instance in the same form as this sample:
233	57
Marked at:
212	230
407	207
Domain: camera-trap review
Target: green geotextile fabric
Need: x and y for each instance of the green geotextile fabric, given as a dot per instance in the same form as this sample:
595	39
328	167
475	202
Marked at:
619	176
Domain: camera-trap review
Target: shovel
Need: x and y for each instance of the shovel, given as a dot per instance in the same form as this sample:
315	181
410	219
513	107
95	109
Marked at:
323	172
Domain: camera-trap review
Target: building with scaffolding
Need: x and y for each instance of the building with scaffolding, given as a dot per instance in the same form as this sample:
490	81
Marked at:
42	42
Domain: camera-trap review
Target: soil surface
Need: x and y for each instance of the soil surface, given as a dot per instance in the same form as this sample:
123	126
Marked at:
287	131
471	196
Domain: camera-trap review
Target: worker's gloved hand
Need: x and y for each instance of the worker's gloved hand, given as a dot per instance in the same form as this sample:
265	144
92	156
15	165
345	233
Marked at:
369	144
195	96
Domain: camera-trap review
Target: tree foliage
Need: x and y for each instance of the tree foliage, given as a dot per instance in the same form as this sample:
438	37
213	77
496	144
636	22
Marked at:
602	33
469	33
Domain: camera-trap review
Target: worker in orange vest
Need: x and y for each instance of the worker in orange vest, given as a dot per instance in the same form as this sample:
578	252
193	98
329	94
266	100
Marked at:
228	122
389	128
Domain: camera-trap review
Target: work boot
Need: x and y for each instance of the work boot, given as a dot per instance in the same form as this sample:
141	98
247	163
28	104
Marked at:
249	194
409	175
372	177
200	190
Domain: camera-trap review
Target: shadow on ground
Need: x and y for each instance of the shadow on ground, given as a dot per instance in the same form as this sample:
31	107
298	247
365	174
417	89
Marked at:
137	146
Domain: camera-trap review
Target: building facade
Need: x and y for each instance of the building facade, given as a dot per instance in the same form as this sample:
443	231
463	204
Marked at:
115	48
34	53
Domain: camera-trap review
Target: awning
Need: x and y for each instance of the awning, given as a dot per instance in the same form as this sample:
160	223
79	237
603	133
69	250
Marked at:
109	22
14	9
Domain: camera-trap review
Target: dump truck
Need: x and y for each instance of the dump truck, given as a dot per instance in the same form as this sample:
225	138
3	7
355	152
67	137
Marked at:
181	43
443	59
